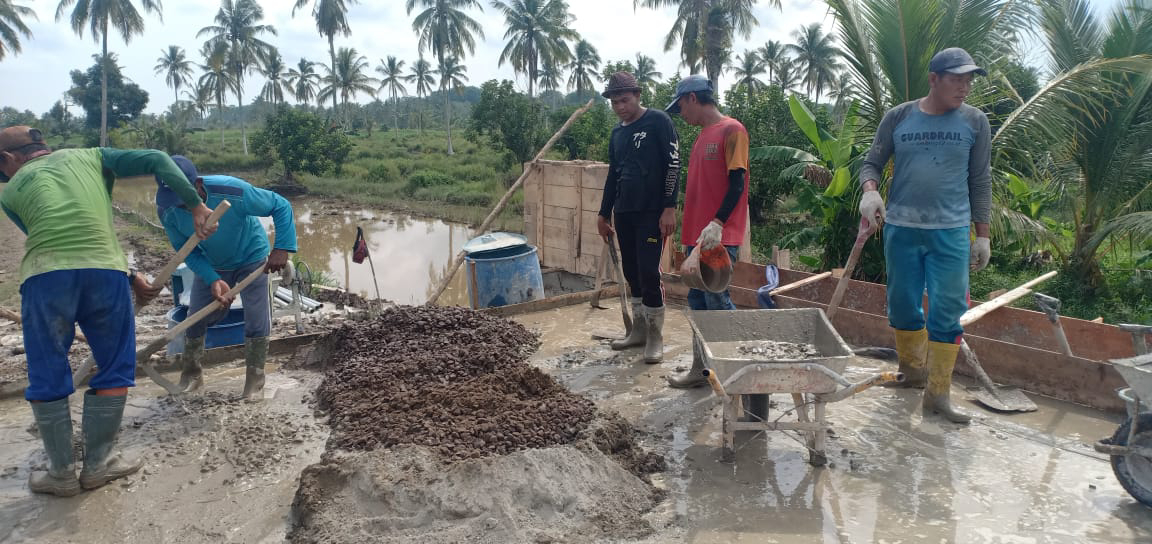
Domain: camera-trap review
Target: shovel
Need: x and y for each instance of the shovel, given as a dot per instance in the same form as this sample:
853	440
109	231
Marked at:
600	278
1003	398
1051	308
842	284
620	281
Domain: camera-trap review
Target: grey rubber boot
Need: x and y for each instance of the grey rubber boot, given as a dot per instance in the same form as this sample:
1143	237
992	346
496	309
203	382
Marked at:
695	375
639	333
55	424
101	426
654	347
255	353
192	371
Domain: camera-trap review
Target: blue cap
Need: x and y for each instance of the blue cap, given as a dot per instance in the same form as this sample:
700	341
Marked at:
954	61
166	197
694	83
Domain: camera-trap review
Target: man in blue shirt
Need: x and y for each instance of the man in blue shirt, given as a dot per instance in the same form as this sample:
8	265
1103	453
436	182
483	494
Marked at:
239	248
940	192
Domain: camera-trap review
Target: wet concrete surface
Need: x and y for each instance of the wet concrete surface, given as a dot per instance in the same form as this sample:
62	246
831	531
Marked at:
893	476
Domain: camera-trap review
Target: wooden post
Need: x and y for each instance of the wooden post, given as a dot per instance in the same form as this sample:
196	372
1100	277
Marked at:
508	196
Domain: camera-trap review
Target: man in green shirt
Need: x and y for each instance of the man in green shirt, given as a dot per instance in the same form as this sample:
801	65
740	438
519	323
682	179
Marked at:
74	272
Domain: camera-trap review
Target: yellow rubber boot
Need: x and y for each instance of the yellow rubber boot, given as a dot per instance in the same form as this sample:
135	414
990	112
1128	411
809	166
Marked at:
941	360
912	348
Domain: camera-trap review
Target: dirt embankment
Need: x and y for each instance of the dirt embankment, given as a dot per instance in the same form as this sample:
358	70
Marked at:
441	432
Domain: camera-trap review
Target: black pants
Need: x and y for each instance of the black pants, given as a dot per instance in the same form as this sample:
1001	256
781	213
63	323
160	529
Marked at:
640	247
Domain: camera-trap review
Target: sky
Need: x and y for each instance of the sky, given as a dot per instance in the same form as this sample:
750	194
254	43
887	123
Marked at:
379	28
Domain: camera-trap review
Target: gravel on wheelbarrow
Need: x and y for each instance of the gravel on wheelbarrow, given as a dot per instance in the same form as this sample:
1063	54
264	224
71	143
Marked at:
450	379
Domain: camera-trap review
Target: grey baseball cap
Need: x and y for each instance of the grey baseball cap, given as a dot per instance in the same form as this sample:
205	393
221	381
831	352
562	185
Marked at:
954	61
692	84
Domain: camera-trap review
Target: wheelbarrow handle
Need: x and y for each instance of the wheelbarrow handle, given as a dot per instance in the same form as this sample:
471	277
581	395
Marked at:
873	380
713	381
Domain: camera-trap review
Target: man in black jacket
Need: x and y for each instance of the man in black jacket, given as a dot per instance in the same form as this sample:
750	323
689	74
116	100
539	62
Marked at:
642	182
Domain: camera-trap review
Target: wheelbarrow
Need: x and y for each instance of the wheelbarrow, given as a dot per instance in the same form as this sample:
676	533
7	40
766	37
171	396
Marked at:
1130	447
744	363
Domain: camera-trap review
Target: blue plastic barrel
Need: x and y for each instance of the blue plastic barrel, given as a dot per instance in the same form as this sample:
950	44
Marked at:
227	332
504	276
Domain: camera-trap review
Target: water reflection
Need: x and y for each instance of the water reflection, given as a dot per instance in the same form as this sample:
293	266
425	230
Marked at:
410	254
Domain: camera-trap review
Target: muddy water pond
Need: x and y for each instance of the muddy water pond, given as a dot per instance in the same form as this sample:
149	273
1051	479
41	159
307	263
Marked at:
410	254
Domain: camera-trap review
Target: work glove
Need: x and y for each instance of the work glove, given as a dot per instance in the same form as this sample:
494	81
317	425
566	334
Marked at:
872	209
711	236
981	253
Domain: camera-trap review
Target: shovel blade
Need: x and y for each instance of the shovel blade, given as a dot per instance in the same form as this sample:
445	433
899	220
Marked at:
1006	399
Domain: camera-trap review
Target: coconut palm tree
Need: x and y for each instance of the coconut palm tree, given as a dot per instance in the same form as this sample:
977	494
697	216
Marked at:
817	56
276	77
303	81
773	53
447	31
237	28
12	25
646	73
348	78
199	97
217	81
452	77
537	34
706	26
787	75
176	67
97	15
421	75
585	62
331	19
748	67
392	78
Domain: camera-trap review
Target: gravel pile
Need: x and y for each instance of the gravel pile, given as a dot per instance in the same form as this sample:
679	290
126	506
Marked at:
450	379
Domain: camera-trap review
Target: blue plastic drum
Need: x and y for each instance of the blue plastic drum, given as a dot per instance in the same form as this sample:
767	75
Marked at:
504	276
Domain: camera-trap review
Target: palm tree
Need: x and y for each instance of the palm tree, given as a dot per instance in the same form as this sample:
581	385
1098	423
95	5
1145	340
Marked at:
787	75
176	67
584	64
646	73
452	77
275	72
421	76
303	81
392	72
217	81
551	78
97	15
773	53
748	67
237	28
11	24
537	34
705	28
348	78
198	96
331	19
817	55
444	28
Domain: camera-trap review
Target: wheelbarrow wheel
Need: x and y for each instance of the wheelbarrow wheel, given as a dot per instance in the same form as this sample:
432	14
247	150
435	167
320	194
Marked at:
755	408
1135	471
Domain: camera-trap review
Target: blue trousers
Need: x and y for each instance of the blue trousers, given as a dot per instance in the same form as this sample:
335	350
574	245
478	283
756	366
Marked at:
52	304
257	306
932	259
706	300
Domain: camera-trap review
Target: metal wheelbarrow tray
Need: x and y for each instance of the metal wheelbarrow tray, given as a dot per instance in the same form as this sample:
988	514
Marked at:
726	342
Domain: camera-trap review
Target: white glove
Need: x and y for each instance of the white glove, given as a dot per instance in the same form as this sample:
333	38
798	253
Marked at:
872	208
981	253
711	236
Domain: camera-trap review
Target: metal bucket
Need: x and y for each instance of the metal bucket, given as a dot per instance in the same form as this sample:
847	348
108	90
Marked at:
500	277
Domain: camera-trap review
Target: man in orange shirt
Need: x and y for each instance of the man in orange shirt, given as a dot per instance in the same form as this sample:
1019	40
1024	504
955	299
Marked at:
715	203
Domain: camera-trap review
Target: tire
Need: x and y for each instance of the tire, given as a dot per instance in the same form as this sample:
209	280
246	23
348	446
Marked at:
755	407
1135	471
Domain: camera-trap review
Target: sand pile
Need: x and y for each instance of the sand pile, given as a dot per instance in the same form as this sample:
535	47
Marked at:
441	432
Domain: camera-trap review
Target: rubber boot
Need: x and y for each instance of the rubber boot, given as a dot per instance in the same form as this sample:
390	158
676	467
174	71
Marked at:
941	360
912	350
255	353
639	333
695	375
654	346
192	372
101	426
55	424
